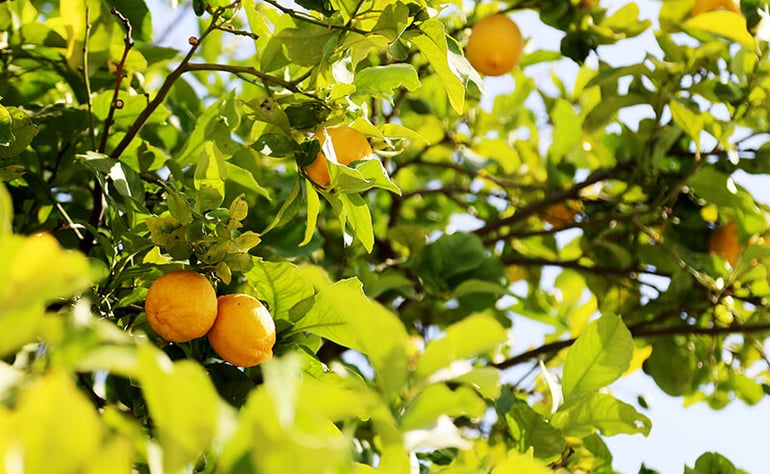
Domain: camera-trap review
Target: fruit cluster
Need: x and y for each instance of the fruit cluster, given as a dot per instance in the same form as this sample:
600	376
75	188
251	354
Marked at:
182	305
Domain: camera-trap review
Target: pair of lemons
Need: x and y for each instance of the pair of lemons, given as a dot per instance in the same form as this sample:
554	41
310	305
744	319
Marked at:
182	305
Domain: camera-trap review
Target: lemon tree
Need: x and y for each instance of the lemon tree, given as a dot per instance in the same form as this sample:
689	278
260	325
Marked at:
306	236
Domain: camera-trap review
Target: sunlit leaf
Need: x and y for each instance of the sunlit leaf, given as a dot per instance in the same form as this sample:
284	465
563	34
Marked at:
517	462
468	338
380	81
34	271
56	422
588	413
280	285
21	134
437	400
183	403
210	175
690	121
598	357
530	430
342	313
430	39
727	24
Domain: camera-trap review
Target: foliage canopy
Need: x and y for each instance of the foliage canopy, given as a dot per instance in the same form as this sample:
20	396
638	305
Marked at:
396	290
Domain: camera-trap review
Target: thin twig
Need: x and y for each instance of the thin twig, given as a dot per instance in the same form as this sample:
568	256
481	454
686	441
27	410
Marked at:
190	67
160	96
87	79
128	43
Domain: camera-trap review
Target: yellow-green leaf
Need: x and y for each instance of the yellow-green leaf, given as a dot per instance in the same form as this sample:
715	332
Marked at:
724	23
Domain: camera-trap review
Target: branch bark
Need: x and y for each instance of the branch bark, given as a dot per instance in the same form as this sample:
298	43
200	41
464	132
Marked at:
640	332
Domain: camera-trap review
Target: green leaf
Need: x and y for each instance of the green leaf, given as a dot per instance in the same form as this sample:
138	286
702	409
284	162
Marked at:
275	145
290	417
437	400
431	40
183	404
214	125
746	389
55	421
606	109
360	219
127	182
451	255
179	208
139	16
303	45
463	340
727	24
243	177
23	132
280	285
718	188
712	463
673	366
342	313
567	130
288	210
485	380
268	110
393	20
598	357
690	121
6	127
210	175
34	271
6	210
583	415
380	81
516	463
313	208
530	429
625	21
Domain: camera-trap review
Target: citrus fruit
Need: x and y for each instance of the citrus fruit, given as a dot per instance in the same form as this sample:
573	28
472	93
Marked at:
349	145
561	214
181	305
494	45
723	241
702	6
244	332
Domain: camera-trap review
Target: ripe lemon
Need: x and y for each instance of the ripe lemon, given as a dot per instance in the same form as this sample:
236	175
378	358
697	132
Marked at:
702	6
723	241
561	214
494	45
244	332
349	145
181	305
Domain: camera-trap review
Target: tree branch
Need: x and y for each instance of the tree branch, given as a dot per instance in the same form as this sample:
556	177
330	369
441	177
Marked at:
576	265
553	198
128	43
639	332
243	70
160	96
